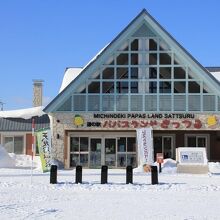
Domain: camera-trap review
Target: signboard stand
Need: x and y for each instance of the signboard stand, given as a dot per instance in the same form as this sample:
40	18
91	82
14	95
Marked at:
160	161
192	160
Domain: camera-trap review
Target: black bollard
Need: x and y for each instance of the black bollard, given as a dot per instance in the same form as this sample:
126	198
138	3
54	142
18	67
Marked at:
154	175
78	174
104	175
160	168
129	174
53	174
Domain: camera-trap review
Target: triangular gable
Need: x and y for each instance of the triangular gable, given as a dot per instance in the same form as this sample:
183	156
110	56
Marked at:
142	24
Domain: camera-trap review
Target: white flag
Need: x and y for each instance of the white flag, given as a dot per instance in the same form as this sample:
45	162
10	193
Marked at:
145	146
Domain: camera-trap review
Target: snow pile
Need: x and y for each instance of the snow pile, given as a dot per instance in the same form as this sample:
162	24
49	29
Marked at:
22	160
23	113
169	166
11	160
214	167
5	160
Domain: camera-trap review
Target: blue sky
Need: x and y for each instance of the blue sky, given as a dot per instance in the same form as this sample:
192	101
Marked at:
39	39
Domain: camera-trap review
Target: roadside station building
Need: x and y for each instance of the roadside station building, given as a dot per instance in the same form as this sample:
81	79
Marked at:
143	78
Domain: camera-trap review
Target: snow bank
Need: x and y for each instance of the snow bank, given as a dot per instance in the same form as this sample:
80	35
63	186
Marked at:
169	166
5	160
23	113
214	167
11	160
22	160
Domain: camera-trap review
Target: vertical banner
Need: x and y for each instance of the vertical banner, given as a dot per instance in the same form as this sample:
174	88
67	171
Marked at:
145	146
44	148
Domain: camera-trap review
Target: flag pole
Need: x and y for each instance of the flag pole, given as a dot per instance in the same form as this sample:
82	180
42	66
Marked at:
32	148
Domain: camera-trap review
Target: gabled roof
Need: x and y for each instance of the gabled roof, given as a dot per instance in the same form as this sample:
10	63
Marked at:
142	17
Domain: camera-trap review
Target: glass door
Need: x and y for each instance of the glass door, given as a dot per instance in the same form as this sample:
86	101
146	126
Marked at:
163	144
110	152
79	151
167	147
95	152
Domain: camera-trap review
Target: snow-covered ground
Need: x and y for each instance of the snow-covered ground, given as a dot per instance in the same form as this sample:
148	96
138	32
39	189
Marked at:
177	196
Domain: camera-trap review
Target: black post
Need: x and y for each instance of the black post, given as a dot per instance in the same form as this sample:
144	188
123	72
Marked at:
160	168
53	174
78	174
154	175
104	175
129	174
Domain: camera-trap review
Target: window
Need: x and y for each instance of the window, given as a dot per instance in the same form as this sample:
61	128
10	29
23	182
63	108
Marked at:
122	73
134	73
108	87
152	87
165	59
180	87
14	144
66	106
165	72
108	103
79	102
94	87
122	87
126	154
165	87
152	59
143	66
134	59
122	59
134	87
179	73
152	44
152	72
108	73
93	103
193	87
196	140
134	45
79	151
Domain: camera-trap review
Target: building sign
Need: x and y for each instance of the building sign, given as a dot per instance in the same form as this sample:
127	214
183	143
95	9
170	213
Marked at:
145	146
132	121
192	156
44	147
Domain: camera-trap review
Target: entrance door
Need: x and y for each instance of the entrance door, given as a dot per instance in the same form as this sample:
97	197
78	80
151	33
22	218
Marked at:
163	144
95	152
110	152
167	147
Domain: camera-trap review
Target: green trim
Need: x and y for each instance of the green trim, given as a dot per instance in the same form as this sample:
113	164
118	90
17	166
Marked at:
42	129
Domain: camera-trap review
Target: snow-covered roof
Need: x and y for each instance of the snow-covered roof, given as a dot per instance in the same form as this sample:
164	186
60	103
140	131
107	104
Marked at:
216	75
72	72
23	113
69	75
